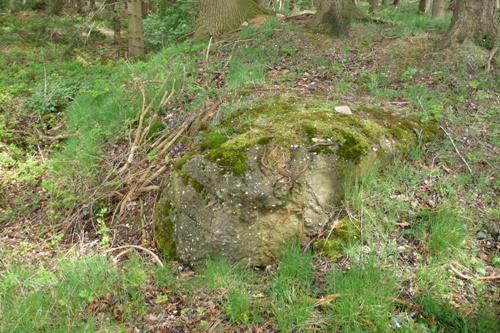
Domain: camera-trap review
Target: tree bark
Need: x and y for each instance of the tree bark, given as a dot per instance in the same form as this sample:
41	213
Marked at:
219	16
387	2
439	8
473	19
117	25
12	5
374	5
56	6
424	6
135	29
332	17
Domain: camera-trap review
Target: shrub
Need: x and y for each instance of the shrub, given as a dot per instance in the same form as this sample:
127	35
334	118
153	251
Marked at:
173	21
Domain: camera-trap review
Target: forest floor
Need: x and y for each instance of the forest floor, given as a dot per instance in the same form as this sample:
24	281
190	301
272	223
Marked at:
428	259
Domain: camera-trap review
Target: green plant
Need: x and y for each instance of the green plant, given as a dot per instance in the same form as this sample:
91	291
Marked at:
102	229
59	298
408	22
173	22
135	274
296	316
295	274
220	273
364	299
292	306
163	276
52	95
443	229
238	306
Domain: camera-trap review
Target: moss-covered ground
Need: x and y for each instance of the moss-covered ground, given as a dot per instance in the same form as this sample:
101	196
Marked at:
414	246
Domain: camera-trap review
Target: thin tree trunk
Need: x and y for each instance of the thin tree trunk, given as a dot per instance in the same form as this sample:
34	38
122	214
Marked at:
135	29
117	26
374	5
439	8
219	16
473	19
12	5
424	6
333	16
56	6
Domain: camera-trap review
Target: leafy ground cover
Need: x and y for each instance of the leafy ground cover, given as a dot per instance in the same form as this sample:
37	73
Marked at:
425	253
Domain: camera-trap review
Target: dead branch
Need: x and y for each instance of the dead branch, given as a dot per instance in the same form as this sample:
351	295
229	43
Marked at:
490	58
326	300
458	151
163	148
467	277
137	247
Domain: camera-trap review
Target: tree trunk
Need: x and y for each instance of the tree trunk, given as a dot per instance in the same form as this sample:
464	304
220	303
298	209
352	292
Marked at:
56	6
12	5
135	29
439	8
117	25
219	16
387	2
397	2
332	17
374	5
424	6
473	19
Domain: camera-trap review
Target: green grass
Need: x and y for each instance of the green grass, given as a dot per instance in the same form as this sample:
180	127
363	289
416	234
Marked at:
222	274
36	299
443	230
96	98
293	307
61	299
408	22
238	306
364	301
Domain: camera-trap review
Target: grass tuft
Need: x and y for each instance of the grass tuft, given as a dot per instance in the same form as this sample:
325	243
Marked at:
443	231
364	299
293	307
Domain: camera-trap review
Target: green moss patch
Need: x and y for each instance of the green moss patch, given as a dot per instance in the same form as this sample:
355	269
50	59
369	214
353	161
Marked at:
164	229
288	122
214	139
347	233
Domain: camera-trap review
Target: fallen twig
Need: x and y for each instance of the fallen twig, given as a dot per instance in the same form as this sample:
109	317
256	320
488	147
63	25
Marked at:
456	149
137	247
467	277
301	14
326	300
490	58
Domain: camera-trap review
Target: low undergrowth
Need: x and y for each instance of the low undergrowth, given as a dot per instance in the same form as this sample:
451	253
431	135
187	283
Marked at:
414	247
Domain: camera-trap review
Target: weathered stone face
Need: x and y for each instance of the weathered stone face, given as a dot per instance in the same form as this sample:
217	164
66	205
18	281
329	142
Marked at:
284	187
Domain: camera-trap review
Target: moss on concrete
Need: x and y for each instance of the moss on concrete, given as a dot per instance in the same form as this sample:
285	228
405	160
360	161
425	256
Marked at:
288	122
334	246
296	156
214	139
164	229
